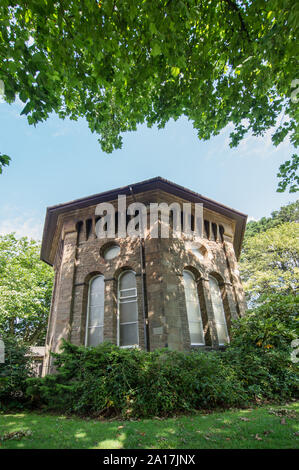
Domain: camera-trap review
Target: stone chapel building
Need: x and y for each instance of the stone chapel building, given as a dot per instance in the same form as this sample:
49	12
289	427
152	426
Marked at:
176	292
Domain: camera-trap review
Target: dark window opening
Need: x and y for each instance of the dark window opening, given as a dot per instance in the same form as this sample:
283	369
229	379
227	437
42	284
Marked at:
79	228
192	223
207	228
214	230
221	231
117	217
88	228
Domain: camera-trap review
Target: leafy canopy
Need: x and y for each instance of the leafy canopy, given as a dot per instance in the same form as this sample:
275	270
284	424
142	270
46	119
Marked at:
25	290
273	324
270	262
4	161
119	64
17	367
288	213
289	175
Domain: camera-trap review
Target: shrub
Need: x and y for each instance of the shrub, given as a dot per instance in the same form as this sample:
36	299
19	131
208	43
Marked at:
108	380
13	373
260	350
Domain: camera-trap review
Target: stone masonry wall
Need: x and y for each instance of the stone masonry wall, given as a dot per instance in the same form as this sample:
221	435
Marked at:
78	259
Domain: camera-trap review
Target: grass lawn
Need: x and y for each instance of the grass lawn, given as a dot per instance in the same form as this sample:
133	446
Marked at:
267	427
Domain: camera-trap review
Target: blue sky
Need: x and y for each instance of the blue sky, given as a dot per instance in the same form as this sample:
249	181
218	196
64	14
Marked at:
59	161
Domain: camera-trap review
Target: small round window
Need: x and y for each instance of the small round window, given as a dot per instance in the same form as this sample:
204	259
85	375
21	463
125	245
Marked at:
110	252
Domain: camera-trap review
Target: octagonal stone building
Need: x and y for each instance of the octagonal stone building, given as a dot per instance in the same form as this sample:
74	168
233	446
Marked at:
180	292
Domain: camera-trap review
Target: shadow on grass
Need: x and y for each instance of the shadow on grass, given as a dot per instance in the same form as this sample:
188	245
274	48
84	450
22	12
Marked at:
251	428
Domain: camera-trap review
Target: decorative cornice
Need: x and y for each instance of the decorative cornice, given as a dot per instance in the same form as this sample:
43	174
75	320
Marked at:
157	183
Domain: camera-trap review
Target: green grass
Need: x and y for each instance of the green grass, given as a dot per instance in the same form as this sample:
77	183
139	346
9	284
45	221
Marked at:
254	428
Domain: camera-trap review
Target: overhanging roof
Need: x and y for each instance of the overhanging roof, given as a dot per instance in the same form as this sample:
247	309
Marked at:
148	185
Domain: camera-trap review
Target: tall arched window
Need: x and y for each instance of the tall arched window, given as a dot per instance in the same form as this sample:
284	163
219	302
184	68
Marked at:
218	310
127	310
193	309
95	312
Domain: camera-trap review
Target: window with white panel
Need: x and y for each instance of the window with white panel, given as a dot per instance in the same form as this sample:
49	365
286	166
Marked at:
127	310
193	309
219	314
95	312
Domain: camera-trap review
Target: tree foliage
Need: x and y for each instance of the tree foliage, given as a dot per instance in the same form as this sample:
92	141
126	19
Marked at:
4	161
25	290
16	368
288	175
119	64
272	325
261	347
270	262
288	213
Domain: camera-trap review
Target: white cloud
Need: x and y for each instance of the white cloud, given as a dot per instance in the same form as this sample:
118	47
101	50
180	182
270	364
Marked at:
252	145
22	226
260	147
61	132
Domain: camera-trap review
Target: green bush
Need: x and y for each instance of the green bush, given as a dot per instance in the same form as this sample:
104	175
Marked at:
107	380
260	350
16	368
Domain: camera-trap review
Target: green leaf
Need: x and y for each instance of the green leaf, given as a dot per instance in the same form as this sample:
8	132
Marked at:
156	50
288	172
23	96
4	161
175	71
27	108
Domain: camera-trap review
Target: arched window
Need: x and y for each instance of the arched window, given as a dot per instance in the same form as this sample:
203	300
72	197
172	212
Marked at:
127	310
193	309
218	310
95	312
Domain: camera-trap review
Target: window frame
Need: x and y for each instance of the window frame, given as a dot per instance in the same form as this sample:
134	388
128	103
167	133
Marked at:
200	321
87	327
135	299
223	312
108	249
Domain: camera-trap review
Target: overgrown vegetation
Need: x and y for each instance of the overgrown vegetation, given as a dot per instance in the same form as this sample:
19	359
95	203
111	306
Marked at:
13	373
287	213
25	290
269	262
107	380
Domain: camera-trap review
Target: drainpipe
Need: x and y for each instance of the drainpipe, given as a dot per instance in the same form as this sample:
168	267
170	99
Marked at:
143	280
